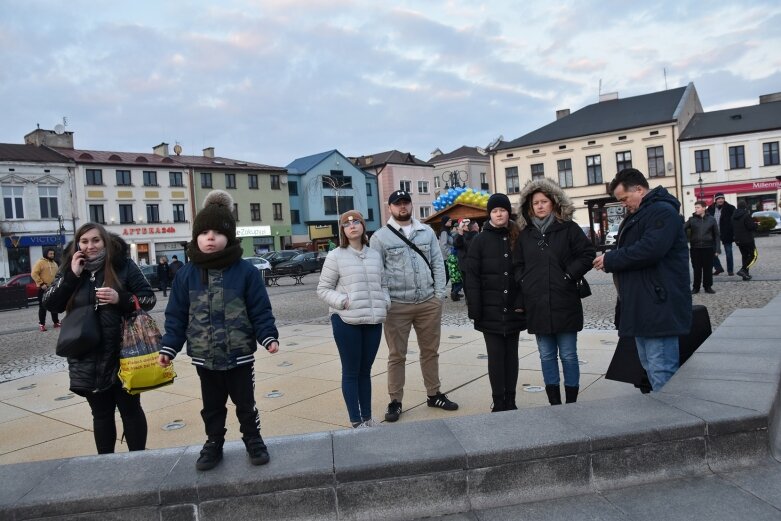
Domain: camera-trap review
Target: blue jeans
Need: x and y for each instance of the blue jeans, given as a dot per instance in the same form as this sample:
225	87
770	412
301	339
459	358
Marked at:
728	254
358	345
659	357
565	345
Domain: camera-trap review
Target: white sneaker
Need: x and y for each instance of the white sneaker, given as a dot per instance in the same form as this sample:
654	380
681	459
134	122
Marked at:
368	423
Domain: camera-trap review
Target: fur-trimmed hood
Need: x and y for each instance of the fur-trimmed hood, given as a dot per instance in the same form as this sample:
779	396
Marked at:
562	205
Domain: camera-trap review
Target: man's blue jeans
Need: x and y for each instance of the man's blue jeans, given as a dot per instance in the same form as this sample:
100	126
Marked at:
659	357
728	254
565	345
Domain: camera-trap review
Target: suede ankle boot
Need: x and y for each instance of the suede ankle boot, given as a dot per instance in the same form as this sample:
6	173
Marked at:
498	405
571	393
509	402
554	394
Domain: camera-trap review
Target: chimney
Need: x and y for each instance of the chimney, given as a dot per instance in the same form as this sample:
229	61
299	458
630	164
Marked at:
563	113
161	150
608	96
50	138
770	98
208	152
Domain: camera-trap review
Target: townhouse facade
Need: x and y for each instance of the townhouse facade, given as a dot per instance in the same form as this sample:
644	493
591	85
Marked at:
583	151
465	166
323	186
396	170
735	152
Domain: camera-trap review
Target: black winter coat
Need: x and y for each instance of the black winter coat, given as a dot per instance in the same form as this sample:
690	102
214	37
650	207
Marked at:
97	371
492	293
744	226
163	272
547	267
703	232
725	221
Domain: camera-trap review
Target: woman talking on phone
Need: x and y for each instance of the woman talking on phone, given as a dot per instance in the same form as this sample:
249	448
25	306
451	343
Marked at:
97	272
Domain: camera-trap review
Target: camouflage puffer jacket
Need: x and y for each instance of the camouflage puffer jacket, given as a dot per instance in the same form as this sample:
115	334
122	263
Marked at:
222	320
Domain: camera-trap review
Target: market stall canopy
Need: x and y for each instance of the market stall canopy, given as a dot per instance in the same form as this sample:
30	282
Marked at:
457	211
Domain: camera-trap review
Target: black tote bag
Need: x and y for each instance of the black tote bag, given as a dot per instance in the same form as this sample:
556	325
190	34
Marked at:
80	332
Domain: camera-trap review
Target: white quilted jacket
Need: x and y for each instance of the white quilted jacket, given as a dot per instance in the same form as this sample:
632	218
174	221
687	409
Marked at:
355	277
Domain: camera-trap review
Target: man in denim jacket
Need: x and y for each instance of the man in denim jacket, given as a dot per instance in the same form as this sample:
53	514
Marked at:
417	289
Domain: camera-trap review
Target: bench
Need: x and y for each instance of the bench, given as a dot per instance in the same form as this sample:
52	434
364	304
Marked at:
273	279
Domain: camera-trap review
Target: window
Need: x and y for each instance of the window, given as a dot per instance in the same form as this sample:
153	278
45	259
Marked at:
424	211
329	204
179	216
405	185
623	160
254	211
94	177
126	214
278	211
236	211
13	202
153	213
655	161
368	189
770	153
275	183
483	181
48	198
538	171
565	172
123	178
206	180
175	179
230	181
513	185
702	160
96	214
737	157
252	181
422	187
594	169
295	217
436	183
370	215
150	178
292	187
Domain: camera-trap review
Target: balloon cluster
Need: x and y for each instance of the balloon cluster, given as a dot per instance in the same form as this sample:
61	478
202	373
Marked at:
461	195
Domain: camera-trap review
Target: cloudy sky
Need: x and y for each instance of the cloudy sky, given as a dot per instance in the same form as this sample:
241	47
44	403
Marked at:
272	80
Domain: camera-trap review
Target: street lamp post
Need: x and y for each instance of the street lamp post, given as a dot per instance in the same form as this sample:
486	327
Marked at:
702	191
60	233
455	178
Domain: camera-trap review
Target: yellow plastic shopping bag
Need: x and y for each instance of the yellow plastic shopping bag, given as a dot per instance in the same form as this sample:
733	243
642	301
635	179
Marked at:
141	341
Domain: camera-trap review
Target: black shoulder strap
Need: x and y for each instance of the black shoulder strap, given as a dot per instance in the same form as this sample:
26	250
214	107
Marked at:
412	245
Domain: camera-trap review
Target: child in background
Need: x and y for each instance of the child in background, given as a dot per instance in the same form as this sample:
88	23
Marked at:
220	307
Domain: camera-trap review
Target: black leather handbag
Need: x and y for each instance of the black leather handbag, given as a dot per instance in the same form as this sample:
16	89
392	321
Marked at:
80	332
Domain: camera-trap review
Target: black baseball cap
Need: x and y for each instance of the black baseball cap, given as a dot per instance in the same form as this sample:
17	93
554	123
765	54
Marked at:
399	195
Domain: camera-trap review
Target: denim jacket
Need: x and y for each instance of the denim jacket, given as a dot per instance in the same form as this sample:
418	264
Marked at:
409	279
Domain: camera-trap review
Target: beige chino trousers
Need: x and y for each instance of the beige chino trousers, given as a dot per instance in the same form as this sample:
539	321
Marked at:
426	318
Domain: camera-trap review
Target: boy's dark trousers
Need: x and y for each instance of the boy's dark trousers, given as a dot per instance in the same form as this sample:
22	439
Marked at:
216	386
702	260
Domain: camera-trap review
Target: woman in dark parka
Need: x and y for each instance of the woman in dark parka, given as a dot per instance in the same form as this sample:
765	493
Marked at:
493	300
553	253
97	271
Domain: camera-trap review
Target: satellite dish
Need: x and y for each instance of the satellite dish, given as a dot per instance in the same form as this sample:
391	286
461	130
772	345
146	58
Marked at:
283	179
669	165
177	149
59	129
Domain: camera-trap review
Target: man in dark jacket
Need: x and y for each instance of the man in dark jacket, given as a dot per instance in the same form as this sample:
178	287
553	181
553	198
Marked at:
704	239
744	226
722	211
650	267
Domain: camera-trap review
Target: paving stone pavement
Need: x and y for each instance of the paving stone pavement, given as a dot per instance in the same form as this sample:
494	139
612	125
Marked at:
25	351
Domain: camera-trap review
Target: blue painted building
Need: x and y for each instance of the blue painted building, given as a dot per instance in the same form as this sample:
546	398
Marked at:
321	187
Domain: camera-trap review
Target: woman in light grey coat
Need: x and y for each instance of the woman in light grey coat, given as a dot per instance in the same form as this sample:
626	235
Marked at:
352	284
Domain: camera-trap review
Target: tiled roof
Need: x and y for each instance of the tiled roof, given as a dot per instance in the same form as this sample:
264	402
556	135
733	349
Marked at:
223	163
606	116
32	153
741	120
459	153
307	163
146	159
390	157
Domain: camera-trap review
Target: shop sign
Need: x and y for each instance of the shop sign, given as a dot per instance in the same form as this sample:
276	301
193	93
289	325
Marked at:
253	231
737	188
25	241
148	230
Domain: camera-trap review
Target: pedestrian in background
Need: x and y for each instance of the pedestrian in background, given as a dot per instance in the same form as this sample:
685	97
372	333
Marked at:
704	244
163	274
43	274
351	283
494	300
722	212
744	227
174	267
553	254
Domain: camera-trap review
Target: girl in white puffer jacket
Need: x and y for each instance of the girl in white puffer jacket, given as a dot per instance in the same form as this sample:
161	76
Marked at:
353	286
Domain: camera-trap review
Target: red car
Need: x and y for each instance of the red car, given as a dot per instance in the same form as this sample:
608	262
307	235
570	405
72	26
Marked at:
26	280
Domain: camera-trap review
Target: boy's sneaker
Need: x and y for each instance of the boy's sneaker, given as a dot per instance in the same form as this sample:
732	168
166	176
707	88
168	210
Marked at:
56	325
42	327
257	451
394	411
211	455
441	401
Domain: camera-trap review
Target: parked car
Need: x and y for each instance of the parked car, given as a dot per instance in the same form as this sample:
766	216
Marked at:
26	280
773	215
321	255
150	272
261	264
281	256
301	263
